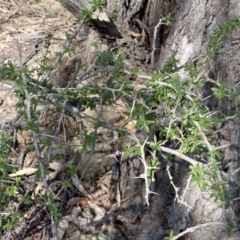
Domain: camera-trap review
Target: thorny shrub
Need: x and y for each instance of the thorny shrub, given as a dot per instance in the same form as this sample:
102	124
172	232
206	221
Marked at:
164	99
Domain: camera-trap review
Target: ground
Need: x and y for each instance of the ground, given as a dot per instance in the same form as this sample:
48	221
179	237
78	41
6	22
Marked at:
24	26
94	206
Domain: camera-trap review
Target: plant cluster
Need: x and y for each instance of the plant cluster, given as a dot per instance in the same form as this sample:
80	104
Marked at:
164	99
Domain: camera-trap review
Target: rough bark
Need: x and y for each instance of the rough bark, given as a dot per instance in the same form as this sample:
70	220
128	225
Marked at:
187	38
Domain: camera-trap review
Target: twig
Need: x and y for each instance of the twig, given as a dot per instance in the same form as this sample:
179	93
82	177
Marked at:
192	229
186	188
36	140
172	117
180	155
34	52
126	199
204	138
22	155
208	79
56	132
30	222
176	189
35	135
75	110
146	168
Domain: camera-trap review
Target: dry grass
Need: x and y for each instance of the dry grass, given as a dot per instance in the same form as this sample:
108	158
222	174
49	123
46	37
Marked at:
23	24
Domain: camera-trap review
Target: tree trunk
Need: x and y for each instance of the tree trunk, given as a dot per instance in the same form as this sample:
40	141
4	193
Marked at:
187	38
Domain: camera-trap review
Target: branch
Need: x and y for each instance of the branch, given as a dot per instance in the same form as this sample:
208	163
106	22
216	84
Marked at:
180	155
75	110
56	133
204	138
143	160
176	189
192	229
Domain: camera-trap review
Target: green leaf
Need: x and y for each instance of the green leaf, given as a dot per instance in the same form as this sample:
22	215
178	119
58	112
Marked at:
66	184
69	50
170	237
33	125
